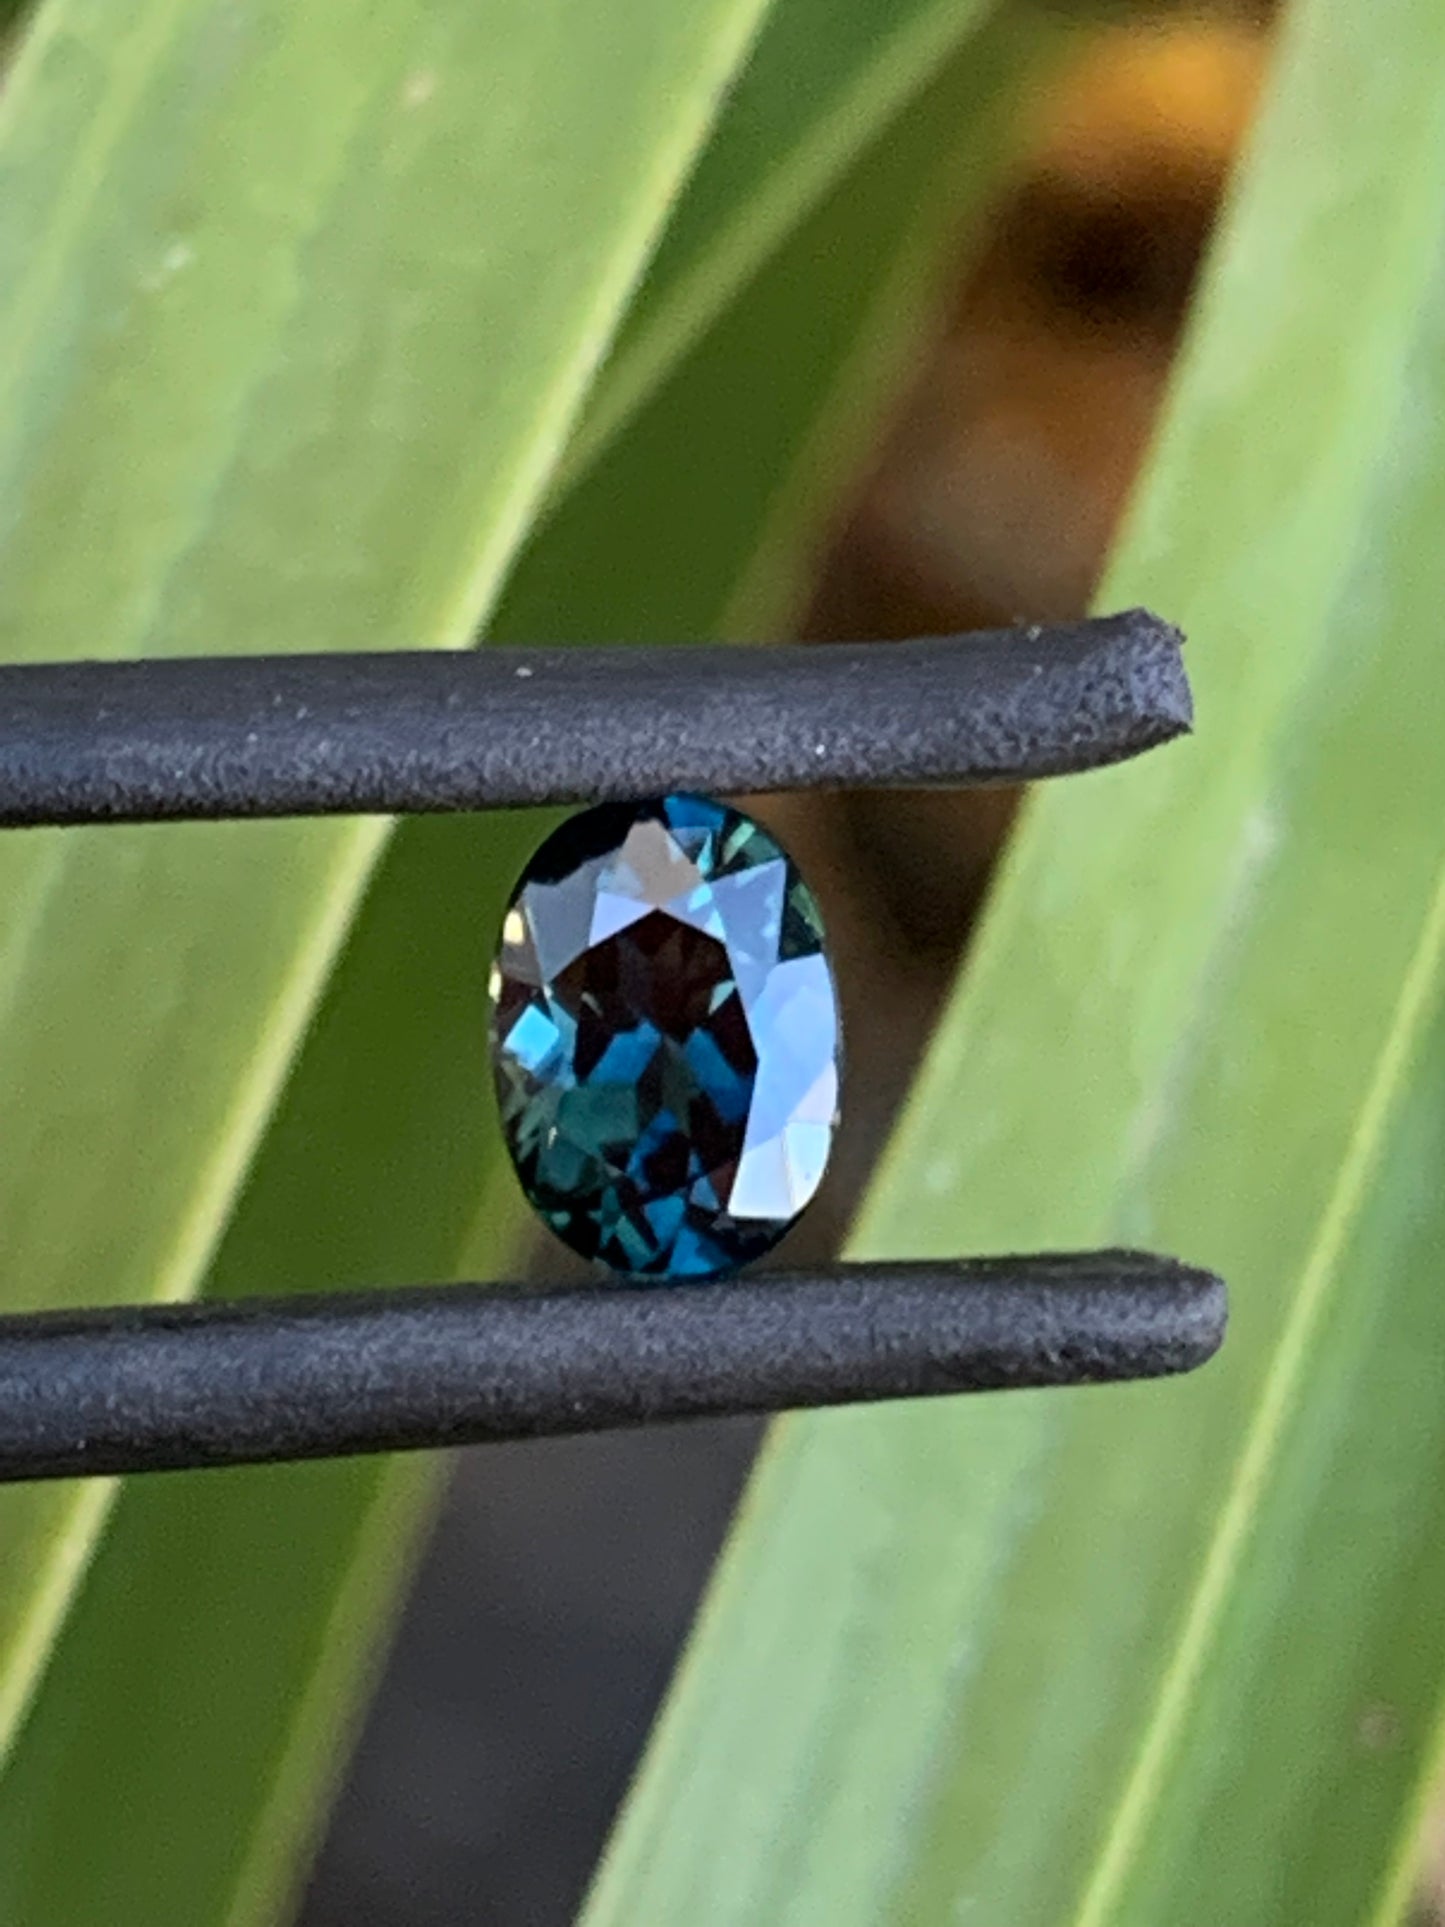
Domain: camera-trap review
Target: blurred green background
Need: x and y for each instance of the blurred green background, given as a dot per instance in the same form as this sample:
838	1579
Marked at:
414	322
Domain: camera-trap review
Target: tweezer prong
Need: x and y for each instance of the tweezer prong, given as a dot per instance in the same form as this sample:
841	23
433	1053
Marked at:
167	1387
427	730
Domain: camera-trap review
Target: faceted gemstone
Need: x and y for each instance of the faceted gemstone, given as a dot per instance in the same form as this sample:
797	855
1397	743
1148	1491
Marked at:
665	1037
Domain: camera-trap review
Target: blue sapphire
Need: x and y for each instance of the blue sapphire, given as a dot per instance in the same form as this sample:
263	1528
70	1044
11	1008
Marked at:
665	1037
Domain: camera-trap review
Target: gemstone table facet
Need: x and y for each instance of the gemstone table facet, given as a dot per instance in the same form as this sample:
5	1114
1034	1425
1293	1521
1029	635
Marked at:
665	1037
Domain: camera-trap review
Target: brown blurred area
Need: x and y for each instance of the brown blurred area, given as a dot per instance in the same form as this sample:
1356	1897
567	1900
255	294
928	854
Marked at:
561	1580
996	491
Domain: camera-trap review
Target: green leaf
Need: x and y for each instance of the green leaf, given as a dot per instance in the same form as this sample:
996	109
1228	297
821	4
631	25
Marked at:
1165	1653
1330	1654
826	80
190	1718
296	311
796	372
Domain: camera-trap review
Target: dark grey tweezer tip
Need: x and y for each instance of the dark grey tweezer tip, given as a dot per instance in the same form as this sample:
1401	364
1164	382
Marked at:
151	1388
162	1388
489	729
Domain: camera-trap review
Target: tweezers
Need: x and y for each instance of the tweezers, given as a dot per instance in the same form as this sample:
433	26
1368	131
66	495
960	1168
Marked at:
158	1387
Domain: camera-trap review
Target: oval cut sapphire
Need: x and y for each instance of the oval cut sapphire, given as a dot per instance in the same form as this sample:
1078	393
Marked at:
665	1037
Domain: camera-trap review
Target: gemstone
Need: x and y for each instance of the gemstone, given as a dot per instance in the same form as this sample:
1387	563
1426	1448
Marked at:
665	1037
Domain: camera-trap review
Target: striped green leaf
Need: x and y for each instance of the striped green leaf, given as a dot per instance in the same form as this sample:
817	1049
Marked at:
1168	1653
296	312
243	1609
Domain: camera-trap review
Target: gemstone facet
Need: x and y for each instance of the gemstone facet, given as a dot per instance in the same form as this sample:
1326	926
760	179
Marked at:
665	1037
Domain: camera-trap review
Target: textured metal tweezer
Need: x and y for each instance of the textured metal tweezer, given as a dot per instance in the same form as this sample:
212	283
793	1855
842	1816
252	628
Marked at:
129	1389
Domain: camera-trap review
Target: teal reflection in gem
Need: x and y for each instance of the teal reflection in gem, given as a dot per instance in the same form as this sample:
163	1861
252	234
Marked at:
665	1037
